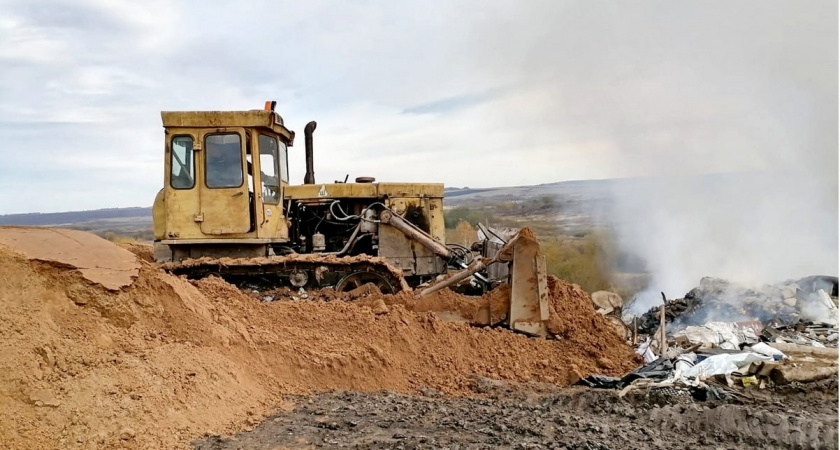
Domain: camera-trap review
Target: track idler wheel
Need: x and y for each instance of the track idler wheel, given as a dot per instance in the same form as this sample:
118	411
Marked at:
357	279
298	278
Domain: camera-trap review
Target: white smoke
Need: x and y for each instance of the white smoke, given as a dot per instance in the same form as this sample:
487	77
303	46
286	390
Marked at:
751	228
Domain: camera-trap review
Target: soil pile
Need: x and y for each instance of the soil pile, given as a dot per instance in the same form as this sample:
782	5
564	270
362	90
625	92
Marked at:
162	361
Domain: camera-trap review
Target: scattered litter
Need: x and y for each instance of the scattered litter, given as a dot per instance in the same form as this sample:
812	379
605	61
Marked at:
645	352
781	342
728	335
809	299
766	350
724	364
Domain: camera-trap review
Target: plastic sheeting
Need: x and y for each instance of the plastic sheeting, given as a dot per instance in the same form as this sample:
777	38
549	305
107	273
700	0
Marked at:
766	350
727	335
645	352
723	364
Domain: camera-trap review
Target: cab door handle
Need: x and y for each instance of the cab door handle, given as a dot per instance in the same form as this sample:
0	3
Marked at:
237	194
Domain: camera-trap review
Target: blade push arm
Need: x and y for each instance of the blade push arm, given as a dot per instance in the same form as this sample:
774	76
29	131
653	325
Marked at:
420	236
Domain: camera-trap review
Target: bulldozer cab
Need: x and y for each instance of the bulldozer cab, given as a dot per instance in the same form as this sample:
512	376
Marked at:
225	172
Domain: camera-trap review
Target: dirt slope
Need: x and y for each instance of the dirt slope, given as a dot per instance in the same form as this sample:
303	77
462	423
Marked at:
163	361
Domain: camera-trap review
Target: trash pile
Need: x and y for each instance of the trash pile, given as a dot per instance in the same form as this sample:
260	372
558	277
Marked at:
807	300
722	336
715	373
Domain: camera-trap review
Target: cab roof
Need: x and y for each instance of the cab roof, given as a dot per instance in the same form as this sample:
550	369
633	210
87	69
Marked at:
267	120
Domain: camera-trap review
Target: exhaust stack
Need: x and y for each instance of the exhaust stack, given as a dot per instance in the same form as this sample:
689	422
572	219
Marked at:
309	178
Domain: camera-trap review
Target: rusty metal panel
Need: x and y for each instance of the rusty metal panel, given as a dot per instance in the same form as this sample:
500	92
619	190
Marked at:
331	191
496	271
437	227
181	205
271	223
366	190
222	119
433	190
411	257
181	252
529	288
397	246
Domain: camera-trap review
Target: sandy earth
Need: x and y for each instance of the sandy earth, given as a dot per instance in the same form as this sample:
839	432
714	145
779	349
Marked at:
98	260
163	361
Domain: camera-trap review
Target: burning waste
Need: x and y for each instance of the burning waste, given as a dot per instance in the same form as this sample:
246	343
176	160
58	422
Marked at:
721	338
810	301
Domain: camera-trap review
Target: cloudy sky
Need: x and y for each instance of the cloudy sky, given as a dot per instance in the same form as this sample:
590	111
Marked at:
478	93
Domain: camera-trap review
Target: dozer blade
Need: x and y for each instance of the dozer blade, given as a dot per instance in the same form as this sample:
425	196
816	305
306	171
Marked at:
529	308
525	308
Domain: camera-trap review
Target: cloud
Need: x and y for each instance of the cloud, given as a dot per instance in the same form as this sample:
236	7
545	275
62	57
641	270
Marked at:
473	93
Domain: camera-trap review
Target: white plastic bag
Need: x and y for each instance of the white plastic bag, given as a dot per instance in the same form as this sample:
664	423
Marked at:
723	364
766	350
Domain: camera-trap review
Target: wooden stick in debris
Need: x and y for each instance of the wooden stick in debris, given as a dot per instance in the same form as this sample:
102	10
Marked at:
635	330
663	346
663	343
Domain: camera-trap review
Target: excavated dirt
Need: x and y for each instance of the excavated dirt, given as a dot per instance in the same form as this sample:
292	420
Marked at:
97	259
489	309
162	361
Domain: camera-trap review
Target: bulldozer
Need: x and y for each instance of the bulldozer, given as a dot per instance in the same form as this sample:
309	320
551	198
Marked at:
227	208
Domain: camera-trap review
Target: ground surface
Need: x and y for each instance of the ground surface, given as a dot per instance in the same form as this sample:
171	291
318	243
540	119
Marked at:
540	416
162	361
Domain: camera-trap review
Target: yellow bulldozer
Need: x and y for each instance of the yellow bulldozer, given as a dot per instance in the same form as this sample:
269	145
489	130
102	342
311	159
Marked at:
227	208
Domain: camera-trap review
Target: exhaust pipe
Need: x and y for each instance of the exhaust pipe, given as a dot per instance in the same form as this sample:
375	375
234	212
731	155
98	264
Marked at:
309	178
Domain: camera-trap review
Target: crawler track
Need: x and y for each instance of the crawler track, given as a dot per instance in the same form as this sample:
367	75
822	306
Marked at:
271	272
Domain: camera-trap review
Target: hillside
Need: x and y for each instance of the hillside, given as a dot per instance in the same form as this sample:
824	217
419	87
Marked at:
587	198
135	222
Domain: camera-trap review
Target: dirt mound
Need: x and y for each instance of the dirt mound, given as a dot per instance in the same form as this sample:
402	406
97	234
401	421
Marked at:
586	337
588	333
97	259
163	361
143	251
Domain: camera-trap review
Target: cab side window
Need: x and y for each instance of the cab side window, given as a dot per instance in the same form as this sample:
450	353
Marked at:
182	165
284	159
268	169
223	160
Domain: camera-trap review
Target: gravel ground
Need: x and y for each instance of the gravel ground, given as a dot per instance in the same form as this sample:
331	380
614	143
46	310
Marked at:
505	415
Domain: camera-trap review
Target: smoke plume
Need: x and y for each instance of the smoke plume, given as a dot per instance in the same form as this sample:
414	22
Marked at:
753	228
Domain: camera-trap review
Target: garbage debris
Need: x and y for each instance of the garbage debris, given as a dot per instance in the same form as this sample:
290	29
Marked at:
721	334
645	351
766	350
812	300
728	335
803	333
724	364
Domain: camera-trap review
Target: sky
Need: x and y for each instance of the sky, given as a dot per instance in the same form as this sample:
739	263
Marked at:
469	93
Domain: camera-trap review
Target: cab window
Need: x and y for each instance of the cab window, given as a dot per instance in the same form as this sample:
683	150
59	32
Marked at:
284	163
223	160
269	180
182	165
